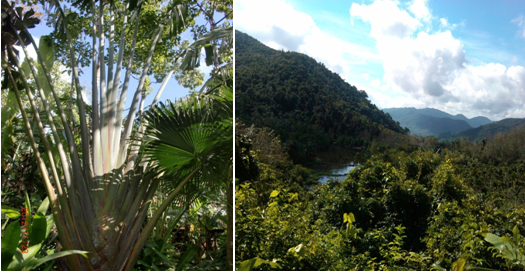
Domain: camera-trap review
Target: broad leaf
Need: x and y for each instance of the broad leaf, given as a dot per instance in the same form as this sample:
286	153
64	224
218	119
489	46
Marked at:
10	239
274	194
248	265
38	230
10	212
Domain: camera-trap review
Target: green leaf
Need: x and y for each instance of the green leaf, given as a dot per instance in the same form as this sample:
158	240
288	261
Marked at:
186	257
273	204
28	259
50	223
459	264
28	14
38	230
274	265
274	193
209	54
299	251
26	68
162	256
503	245
351	217
44	206
45	46
10	212
437	266
493	239
10	239
250	264
60	254
516	233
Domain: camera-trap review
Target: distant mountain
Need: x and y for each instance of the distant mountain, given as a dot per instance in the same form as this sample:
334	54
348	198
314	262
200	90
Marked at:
306	104
430	121
487	131
479	121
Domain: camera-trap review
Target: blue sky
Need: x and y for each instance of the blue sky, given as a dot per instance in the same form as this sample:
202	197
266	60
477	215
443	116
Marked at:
463	57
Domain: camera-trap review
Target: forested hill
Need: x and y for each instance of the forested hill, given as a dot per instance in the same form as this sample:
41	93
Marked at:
308	105
487	131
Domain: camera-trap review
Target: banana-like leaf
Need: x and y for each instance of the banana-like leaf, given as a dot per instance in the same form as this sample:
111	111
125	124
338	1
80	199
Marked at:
38	230
10	239
191	58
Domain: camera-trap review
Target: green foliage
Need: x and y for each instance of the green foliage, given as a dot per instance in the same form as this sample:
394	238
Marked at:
509	248
251	264
416	209
306	104
94	168
27	252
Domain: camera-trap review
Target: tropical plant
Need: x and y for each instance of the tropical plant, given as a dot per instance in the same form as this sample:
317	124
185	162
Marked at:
22	242
511	249
99	179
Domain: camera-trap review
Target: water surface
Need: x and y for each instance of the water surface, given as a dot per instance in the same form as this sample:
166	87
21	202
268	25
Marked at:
337	161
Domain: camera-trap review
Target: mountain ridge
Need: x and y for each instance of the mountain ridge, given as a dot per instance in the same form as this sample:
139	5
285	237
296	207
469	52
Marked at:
431	121
487	131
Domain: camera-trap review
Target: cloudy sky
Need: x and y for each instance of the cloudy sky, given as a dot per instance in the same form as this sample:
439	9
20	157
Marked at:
463	57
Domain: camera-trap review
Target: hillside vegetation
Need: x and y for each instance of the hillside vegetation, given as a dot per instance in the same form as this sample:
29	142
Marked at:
488	131
306	104
405	208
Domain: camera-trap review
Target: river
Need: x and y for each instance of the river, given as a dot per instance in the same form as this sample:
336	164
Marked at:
336	161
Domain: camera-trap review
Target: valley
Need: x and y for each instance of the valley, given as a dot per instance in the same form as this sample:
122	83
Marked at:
327	181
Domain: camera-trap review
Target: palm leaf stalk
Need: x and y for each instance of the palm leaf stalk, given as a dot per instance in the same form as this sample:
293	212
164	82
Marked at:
100	188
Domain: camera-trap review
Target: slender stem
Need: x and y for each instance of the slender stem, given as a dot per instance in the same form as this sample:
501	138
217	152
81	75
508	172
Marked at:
97	149
62	196
122	101
55	208
83	176
104	109
82	112
161	89
137	248
113	97
134	104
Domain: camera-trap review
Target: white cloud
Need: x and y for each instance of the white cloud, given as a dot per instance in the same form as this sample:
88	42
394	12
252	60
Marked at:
420	10
444	22
520	21
386	19
278	25
431	68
